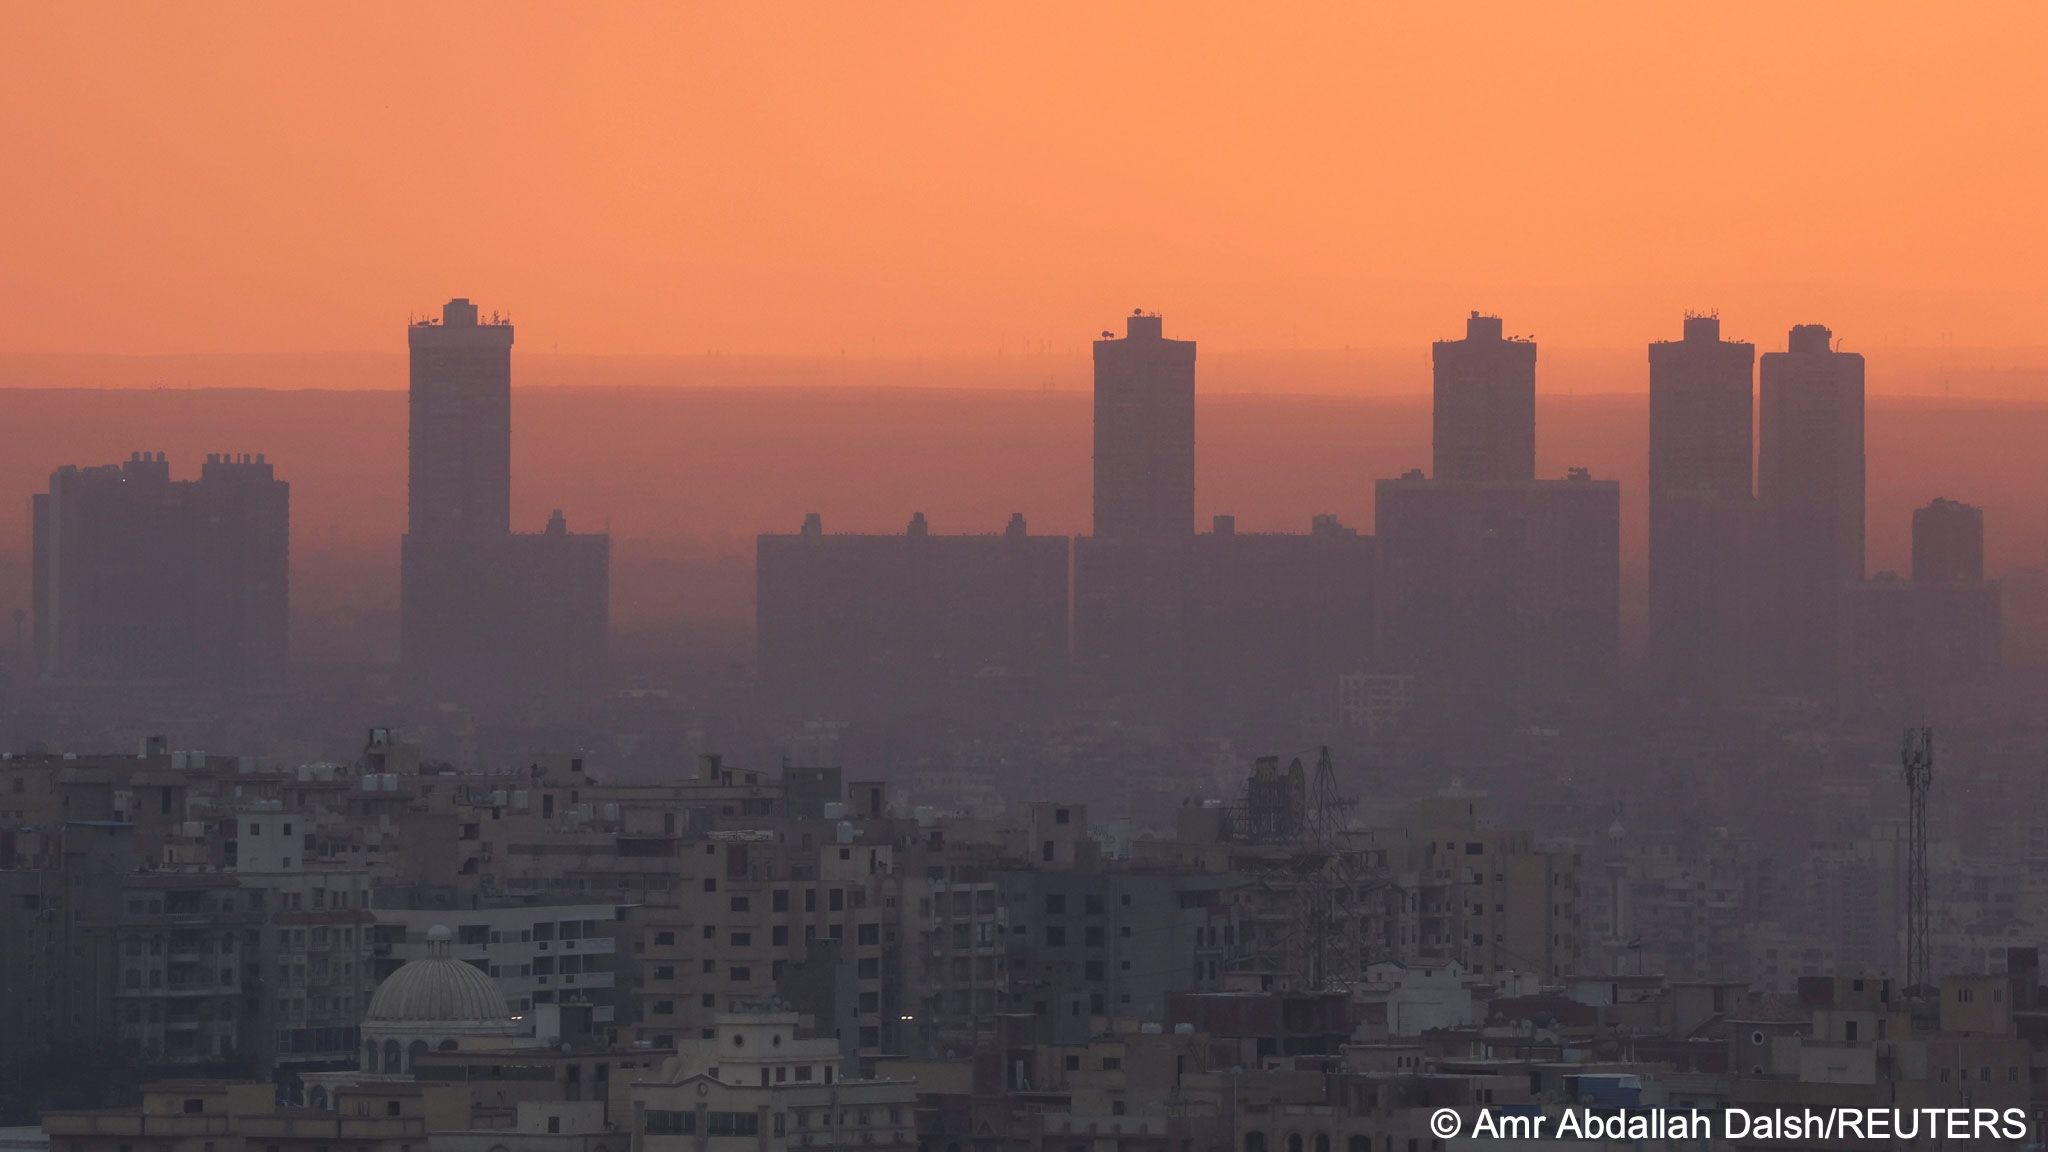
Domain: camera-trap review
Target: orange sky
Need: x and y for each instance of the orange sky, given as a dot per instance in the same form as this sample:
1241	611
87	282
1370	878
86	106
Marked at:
961	178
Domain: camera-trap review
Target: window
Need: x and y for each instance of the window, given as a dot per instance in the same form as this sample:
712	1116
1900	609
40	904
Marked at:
868	934
741	904
732	1123
741	975
836	900
1059	816
664	1123
1055	936
664	939
194	1106
1055	904
1112	1063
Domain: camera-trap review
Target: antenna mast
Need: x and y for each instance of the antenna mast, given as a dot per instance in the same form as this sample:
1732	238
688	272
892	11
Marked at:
1916	759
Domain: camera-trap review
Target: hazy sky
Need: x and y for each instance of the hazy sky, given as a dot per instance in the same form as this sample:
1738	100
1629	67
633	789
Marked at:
957	178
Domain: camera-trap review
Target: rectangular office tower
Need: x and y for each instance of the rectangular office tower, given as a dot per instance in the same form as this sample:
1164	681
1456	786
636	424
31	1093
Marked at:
1702	513
140	577
874	626
1810	486
1503	599
1130	575
486	615
1483	419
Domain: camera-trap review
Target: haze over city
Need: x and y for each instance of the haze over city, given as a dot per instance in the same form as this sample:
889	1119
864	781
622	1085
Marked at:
917	578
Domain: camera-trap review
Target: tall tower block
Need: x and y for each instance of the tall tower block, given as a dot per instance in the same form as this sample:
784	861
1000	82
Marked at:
1144	433
1483	418
1810	477
1702	514
460	451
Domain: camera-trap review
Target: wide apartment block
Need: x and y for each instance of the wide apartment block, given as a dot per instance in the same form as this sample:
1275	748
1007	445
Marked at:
872	624
1505	597
141	577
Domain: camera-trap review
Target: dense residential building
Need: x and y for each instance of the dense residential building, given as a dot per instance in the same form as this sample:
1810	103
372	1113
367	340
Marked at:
1810	483
485	613
1703	524
141	577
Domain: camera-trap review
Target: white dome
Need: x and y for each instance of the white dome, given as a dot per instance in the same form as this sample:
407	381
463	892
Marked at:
438	989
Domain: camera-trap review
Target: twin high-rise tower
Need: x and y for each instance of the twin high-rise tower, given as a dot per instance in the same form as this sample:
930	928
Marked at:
487	615
1749	590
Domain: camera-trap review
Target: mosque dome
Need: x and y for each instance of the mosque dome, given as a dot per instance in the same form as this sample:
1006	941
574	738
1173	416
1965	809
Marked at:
437	989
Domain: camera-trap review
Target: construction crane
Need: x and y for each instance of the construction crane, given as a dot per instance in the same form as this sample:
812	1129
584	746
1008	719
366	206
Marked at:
1916	759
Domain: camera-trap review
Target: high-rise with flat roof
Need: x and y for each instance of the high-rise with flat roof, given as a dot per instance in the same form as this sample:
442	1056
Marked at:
1130	575
1702	513
1948	543
459	457
484	612
1810	481
1483	417
1144	432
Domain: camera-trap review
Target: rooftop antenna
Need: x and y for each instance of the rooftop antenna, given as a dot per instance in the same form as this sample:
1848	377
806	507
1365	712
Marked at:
1916	759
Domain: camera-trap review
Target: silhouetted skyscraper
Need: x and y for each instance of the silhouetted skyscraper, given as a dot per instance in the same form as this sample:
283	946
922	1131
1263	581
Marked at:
1144	433
1702	514
141	577
486	614
1948	543
1810	484
1130	576
459	480
1483	417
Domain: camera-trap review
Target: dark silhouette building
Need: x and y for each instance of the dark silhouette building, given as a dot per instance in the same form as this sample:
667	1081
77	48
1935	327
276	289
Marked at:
1810	485
141	577
1499	592
1144	433
874	625
1948	543
1130	575
486	614
1503	599
1274	619
1483	422
1915	651
1703	522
